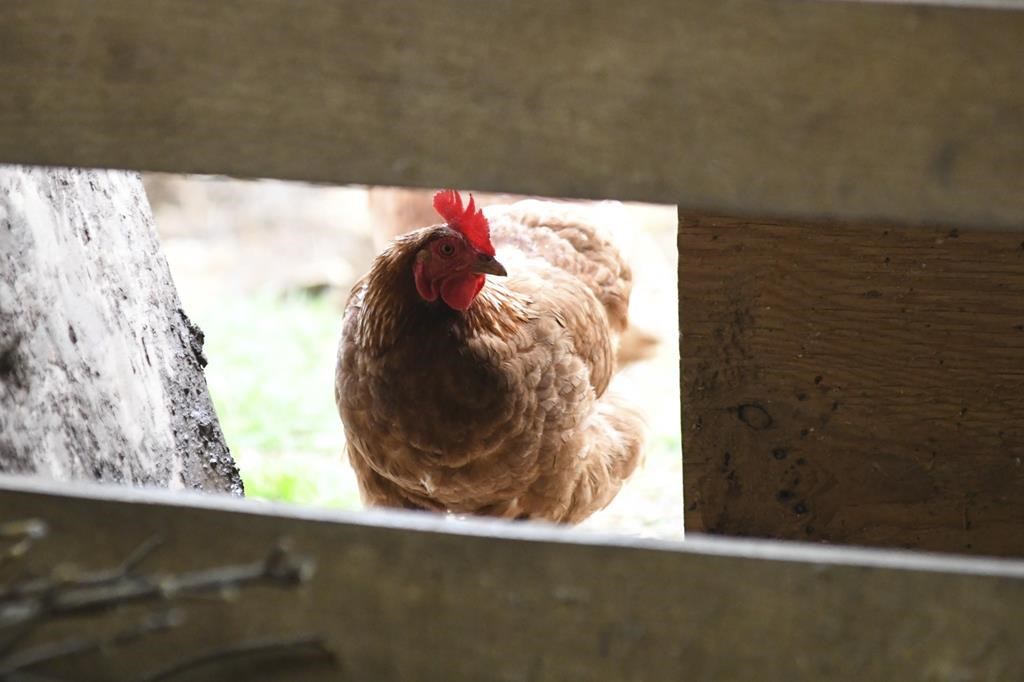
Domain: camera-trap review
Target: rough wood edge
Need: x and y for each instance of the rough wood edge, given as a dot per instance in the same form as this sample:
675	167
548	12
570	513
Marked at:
508	531
906	132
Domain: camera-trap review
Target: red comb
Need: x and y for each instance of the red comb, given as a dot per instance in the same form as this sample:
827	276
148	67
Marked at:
470	221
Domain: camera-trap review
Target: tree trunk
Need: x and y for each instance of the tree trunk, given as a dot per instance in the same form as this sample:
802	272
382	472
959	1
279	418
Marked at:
100	369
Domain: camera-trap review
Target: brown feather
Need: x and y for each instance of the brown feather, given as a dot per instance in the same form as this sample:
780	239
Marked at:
500	410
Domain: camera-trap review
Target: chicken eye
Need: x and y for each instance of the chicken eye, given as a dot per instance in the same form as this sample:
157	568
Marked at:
447	249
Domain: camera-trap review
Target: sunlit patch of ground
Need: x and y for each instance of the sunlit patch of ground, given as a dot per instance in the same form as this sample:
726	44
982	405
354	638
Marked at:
262	268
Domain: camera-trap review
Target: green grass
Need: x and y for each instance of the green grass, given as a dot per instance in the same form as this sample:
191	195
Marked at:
271	373
307	479
271	376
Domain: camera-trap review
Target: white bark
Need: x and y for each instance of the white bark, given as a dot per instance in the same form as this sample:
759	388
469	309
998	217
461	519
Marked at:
100	370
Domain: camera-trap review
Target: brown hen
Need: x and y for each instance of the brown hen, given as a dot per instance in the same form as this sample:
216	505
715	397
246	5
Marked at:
487	395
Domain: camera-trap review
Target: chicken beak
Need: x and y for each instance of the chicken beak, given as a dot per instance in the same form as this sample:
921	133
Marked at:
488	265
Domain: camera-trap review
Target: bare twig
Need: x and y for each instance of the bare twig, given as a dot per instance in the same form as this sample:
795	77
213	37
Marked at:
66	577
311	645
43	600
27	676
24	534
125	568
27	604
77	646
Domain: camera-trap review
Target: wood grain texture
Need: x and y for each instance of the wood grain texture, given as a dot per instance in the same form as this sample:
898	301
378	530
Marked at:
904	111
402	596
854	384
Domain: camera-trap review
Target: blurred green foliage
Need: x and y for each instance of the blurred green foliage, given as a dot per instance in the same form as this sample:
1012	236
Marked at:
271	376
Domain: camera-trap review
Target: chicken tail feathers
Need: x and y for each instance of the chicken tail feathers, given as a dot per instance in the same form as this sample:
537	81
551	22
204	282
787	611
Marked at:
635	345
614	449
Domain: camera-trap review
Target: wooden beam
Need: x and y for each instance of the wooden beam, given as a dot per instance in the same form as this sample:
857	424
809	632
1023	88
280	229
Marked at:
912	112
405	596
853	383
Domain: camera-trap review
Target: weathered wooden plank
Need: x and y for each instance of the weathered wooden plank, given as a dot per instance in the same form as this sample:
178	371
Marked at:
403	596
855	384
904	111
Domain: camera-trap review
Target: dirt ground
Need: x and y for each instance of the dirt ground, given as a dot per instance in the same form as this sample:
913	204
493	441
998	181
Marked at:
263	267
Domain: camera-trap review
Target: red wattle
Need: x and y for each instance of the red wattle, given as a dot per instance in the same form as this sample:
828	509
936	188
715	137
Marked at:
459	291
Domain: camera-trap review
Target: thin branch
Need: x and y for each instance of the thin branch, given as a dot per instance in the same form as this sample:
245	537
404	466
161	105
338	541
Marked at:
125	568
27	604
77	646
66	578
24	533
311	645
26	676
82	596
